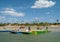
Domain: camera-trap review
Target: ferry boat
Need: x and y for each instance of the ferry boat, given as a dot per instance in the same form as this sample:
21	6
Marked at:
29	31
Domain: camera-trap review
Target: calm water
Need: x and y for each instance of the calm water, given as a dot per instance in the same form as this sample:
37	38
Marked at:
47	37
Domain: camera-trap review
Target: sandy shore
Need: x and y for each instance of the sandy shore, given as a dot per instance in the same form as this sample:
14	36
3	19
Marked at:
51	28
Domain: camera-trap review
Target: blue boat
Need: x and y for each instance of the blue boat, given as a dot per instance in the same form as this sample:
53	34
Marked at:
5	30
15	32
20	32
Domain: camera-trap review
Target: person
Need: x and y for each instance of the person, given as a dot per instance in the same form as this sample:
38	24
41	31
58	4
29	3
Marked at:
37	28
46	28
22	27
29	28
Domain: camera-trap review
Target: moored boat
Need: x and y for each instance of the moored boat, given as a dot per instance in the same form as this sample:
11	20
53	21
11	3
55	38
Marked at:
5	30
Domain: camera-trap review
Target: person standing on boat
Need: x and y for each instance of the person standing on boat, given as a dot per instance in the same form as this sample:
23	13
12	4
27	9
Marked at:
29	28
46	28
22	26
38	28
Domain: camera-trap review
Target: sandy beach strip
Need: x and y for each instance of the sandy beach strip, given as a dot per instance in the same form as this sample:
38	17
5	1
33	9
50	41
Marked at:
51	28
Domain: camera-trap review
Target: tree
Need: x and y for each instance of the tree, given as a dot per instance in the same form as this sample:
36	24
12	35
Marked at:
57	21
46	24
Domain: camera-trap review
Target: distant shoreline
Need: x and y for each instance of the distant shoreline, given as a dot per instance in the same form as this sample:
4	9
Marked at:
51	27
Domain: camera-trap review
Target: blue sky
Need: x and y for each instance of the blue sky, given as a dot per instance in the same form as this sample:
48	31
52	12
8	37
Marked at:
29	10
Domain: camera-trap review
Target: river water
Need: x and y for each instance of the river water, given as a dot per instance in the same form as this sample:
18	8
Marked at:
53	36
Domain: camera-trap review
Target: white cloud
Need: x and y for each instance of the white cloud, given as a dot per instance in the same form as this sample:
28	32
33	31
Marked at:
11	12
9	20
42	18
39	18
2	17
36	18
12	20
51	19
43	4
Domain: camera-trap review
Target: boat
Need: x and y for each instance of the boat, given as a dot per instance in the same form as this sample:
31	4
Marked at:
5	30
15	32
29	31
32	32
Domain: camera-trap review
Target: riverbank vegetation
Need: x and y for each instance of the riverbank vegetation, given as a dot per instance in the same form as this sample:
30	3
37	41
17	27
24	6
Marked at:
37	23
29	24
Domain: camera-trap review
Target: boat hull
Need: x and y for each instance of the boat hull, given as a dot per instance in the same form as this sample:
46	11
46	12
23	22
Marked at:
4	30
33	32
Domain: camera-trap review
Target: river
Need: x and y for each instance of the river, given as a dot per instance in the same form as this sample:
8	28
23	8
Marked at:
53	36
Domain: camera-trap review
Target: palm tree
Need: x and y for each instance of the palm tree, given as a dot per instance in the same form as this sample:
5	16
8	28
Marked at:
57	21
